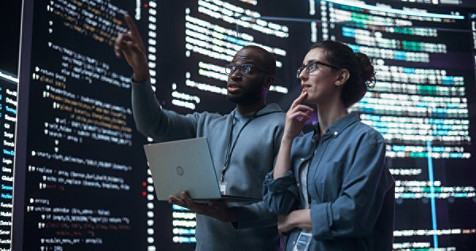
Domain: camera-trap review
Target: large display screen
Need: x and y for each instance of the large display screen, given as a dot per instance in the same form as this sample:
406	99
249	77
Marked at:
81	179
420	104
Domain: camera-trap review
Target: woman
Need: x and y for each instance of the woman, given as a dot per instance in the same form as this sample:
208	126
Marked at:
330	188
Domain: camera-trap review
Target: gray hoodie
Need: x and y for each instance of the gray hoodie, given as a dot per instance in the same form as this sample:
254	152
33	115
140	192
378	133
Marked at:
251	158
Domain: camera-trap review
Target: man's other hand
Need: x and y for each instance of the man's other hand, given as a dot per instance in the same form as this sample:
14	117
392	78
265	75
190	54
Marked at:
213	208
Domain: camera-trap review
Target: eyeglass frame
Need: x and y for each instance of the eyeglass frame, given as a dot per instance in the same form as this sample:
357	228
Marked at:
316	62
233	67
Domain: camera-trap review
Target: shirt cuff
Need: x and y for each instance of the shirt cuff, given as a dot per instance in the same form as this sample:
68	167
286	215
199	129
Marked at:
321	218
281	184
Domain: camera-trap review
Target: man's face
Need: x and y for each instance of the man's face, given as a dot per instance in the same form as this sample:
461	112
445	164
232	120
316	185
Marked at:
245	89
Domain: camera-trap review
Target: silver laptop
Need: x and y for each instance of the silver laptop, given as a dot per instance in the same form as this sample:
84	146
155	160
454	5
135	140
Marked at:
182	165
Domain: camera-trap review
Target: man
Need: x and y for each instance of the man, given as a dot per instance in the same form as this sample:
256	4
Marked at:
243	144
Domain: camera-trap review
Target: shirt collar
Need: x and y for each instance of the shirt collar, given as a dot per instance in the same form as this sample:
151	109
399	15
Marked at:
339	126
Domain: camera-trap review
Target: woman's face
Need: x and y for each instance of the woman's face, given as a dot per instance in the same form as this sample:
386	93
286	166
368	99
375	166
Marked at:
319	82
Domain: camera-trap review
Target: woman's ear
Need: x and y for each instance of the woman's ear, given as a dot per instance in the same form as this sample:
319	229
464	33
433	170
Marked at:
342	76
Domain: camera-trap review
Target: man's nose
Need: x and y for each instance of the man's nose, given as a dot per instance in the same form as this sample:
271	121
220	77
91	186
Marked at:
236	73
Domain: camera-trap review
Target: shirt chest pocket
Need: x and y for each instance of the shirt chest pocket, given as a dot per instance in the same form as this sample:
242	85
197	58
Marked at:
328	180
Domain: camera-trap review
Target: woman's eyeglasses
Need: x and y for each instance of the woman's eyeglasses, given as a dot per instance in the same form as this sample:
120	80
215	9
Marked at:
313	65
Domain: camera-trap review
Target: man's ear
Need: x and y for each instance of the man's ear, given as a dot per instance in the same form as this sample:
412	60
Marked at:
269	81
342	76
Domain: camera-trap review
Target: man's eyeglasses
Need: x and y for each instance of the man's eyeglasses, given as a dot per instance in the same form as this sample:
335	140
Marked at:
312	66
244	69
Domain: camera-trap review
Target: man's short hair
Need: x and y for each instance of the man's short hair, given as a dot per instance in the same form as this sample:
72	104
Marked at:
269	62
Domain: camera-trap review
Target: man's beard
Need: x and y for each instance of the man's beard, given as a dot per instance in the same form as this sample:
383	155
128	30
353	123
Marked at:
245	98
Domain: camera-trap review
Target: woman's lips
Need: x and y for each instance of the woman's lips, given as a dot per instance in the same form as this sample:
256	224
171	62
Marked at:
305	87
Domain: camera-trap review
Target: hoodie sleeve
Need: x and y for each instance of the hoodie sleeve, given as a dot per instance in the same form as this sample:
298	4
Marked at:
153	121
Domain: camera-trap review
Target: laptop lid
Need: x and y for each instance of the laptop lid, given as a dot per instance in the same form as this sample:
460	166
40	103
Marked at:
183	165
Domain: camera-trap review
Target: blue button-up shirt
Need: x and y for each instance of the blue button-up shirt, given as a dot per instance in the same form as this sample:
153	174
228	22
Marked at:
350	189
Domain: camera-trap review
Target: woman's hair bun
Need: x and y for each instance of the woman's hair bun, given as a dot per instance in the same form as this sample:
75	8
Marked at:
367	71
